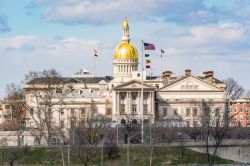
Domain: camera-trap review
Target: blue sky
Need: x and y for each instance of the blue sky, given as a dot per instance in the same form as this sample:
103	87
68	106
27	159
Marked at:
196	34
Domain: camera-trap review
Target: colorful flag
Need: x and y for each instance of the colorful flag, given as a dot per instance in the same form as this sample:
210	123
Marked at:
146	55
162	51
147	66
149	46
95	53
148	61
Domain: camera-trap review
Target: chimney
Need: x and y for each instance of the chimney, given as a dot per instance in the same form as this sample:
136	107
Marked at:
209	75
187	72
166	77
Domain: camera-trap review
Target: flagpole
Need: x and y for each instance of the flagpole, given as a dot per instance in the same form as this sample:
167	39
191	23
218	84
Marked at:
94	67
161	62
142	132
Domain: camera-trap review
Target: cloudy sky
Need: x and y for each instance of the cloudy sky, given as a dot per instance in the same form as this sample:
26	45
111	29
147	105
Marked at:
61	34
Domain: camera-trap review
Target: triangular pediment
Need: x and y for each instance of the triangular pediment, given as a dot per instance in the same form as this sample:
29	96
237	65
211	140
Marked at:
133	84
190	83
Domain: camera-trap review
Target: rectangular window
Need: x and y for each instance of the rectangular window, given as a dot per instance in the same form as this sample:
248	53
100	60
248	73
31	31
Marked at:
217	112
72	111
7	106
157	86
138	75
188	123
187	111
233	109
134	97
195	123
83	112
61	111
58	90
62	123
1	108
72	123
109	111
134	110
165	112
195	112
175	112
145	109
122	107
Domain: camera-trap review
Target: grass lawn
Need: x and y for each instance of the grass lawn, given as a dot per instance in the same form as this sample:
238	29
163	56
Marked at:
139	156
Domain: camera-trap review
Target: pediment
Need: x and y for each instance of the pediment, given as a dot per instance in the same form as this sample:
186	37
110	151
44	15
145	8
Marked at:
190	83
134	84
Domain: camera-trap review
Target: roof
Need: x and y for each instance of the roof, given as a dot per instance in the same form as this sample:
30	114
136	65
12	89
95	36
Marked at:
215	80
42	80
199	78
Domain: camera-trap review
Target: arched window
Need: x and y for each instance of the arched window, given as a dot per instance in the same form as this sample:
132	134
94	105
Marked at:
134	121
123	121
145	121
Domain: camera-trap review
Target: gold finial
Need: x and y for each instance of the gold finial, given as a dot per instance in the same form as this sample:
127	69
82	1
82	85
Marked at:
125	24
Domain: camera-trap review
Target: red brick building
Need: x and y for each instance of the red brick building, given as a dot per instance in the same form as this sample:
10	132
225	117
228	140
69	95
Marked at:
240	113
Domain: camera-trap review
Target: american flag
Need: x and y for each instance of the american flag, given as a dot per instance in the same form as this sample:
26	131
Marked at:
149	46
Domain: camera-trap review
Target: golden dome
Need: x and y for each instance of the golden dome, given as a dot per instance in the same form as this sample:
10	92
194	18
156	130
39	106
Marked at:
125	51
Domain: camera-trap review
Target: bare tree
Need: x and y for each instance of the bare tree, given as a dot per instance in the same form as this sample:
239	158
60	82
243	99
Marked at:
233	89
45	91
87	136
214	128
16	99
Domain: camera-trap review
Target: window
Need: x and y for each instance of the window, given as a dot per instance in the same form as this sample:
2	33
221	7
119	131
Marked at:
187	111
122	102
145	103
134	105
188	123
195	123
1	108
134	109
241	109
109	111
145	108
217	112
59	90
195	112
72	111
175	112
72	123
62	123
7	106
233	109
157	86
165	112
82	112
122	107
61	111
138	74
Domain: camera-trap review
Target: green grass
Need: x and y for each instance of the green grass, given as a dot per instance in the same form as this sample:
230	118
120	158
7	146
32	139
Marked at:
139	156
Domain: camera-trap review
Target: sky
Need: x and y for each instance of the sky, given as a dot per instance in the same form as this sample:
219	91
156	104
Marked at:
199	35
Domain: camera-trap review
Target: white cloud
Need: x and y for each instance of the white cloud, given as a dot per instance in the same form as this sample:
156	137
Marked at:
66	55
109	11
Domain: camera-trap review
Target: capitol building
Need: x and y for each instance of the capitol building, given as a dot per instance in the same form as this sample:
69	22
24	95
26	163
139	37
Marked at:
168	100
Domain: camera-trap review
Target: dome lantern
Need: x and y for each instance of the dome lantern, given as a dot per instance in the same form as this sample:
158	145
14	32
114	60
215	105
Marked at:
125	50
